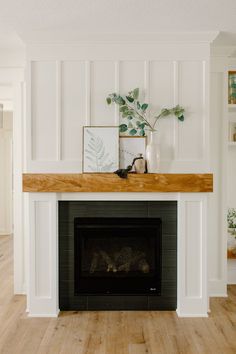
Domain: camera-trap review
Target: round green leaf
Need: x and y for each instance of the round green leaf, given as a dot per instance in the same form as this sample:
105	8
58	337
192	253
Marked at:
144	106
181	118
130	99
142	125
120	101
142	132
123	128
132	132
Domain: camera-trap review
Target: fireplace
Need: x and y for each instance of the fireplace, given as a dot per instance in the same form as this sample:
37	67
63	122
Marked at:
117	255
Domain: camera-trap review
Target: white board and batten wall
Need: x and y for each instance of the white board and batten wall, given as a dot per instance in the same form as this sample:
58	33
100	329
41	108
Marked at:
67	85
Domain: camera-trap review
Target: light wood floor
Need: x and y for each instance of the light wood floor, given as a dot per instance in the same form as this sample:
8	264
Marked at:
110	332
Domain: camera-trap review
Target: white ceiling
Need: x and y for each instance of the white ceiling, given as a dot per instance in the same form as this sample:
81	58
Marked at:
23	17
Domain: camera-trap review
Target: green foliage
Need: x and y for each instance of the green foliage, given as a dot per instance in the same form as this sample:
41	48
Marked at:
133	132
130	99
135	112
123	128
135	93
231	218
144	107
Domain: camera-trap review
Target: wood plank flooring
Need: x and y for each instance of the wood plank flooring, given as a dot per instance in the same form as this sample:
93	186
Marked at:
110	332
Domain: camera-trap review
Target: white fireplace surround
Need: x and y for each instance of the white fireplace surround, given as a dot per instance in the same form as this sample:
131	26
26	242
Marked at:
192	294
66	87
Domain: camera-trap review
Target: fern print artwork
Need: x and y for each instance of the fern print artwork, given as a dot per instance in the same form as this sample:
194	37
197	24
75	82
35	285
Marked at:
101	146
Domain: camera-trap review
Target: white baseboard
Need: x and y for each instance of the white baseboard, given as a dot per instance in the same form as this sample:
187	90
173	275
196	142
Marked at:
53	315
180	314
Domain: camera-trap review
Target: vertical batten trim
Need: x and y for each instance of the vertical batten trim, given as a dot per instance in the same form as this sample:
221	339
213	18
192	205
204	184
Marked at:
29	131
205	117
58	109
117	89
88	93
202	257
24	134
147	84
176	101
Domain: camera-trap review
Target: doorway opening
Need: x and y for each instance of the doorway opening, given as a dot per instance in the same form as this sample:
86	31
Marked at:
6	168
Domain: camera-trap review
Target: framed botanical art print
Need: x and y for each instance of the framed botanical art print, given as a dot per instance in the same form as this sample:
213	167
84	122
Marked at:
130	147
100	149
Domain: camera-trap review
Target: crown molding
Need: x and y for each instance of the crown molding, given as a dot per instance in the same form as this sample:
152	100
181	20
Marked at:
71	37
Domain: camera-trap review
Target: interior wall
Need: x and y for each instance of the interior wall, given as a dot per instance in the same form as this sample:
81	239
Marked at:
223	157
67	88
216	242
6	174
231	189
12	71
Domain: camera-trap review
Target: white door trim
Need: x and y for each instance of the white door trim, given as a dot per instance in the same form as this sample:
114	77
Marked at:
15	78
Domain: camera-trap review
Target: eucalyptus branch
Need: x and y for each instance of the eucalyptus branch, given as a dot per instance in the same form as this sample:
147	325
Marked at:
142	117
156	119
137	112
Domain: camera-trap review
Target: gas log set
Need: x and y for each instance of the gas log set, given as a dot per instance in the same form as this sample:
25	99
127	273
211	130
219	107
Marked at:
124	260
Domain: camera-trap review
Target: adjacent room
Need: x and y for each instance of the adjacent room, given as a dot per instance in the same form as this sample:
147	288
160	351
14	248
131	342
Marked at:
117	177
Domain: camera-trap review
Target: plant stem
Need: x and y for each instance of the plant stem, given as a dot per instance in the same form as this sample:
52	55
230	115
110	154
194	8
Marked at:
144	119
158	117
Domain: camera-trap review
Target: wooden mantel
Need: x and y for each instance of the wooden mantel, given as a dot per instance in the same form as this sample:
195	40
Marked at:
107	182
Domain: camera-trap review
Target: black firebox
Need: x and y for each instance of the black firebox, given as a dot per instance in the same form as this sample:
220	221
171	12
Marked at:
117	255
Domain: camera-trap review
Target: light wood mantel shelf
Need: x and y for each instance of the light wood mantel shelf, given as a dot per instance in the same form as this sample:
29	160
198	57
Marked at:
107	182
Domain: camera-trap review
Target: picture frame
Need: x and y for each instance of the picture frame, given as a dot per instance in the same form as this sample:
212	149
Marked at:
130	147
100	149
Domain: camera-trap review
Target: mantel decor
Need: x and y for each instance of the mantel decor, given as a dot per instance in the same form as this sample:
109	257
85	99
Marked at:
100	149
136	122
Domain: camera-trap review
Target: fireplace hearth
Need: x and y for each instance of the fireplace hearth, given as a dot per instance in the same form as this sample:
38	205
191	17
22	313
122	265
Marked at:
117	255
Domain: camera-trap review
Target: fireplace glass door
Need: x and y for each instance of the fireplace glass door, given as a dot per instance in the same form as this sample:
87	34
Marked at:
117	255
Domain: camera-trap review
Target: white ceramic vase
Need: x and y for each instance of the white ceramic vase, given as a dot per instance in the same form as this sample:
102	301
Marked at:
153	153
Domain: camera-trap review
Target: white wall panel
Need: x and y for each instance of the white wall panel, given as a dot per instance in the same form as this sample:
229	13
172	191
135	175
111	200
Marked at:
192	244
73	109
43	255
43	110
215	246
42	249
191	96
102	83
132	76
193	248
70	91
162	95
